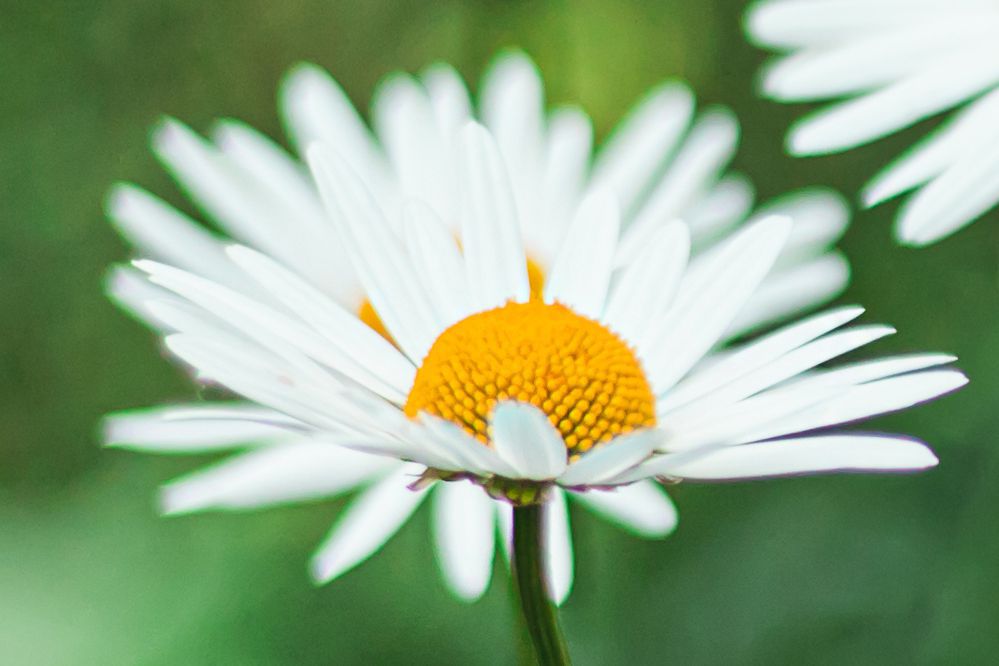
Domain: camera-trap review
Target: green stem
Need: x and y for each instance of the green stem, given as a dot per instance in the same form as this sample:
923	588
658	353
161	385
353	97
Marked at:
540	613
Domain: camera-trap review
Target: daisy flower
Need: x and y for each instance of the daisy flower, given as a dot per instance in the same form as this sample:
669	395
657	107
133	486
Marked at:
895	63
252	188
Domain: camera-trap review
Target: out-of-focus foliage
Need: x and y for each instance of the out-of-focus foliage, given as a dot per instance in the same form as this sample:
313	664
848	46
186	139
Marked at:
831	570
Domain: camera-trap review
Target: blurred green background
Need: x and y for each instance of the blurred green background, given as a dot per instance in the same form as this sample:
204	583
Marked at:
833	570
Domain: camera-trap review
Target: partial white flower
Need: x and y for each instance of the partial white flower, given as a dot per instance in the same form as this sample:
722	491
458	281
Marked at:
895	63
278	326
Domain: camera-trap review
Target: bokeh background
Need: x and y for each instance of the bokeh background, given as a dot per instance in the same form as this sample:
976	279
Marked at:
833	570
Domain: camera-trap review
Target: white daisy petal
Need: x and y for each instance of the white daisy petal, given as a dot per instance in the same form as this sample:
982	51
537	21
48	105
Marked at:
756	355
570	138
961	136
465	529
582	271
153	430
869	371
864	63
378	257
513	110
490	234
437	261
790	290
952	200
295	471
791	23
466	452
383	364
611	458
448	97
525	439
789	365
899	105
707	304
727	204
646	287
404	119
367	524
807	455
705	152
642	142
264	324
738	422
867	400
316	109
162	232
558	547
820	217
642	508
131	290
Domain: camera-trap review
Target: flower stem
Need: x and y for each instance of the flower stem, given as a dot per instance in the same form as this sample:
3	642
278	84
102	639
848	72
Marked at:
532	583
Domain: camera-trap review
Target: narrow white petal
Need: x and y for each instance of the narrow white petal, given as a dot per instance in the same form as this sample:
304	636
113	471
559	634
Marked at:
711	296
808	455
367	524
899	105
791	290
316	109
418	152
820	217
646	287
858	65
378	362
791	23
448	97
228	192
718	211
558	548
378	256
869	371
297	471
953	200
465	453
153	430
642	508
161	232
755	355
726	424
790	365
437	261
581	274
570	139
272	329
132	291
525	439
611	459
490	233
642	142
691	174
513	110
961	136
465	530
867	400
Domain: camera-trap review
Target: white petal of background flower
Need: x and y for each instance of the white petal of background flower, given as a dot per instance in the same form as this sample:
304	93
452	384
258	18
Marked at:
894	64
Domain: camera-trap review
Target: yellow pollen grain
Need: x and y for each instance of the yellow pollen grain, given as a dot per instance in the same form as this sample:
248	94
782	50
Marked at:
583	376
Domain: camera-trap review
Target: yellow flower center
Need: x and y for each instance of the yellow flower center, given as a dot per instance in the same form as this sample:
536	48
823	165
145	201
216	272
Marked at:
581	375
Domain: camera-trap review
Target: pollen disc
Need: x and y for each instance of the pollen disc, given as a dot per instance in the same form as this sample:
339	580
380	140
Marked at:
580	374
